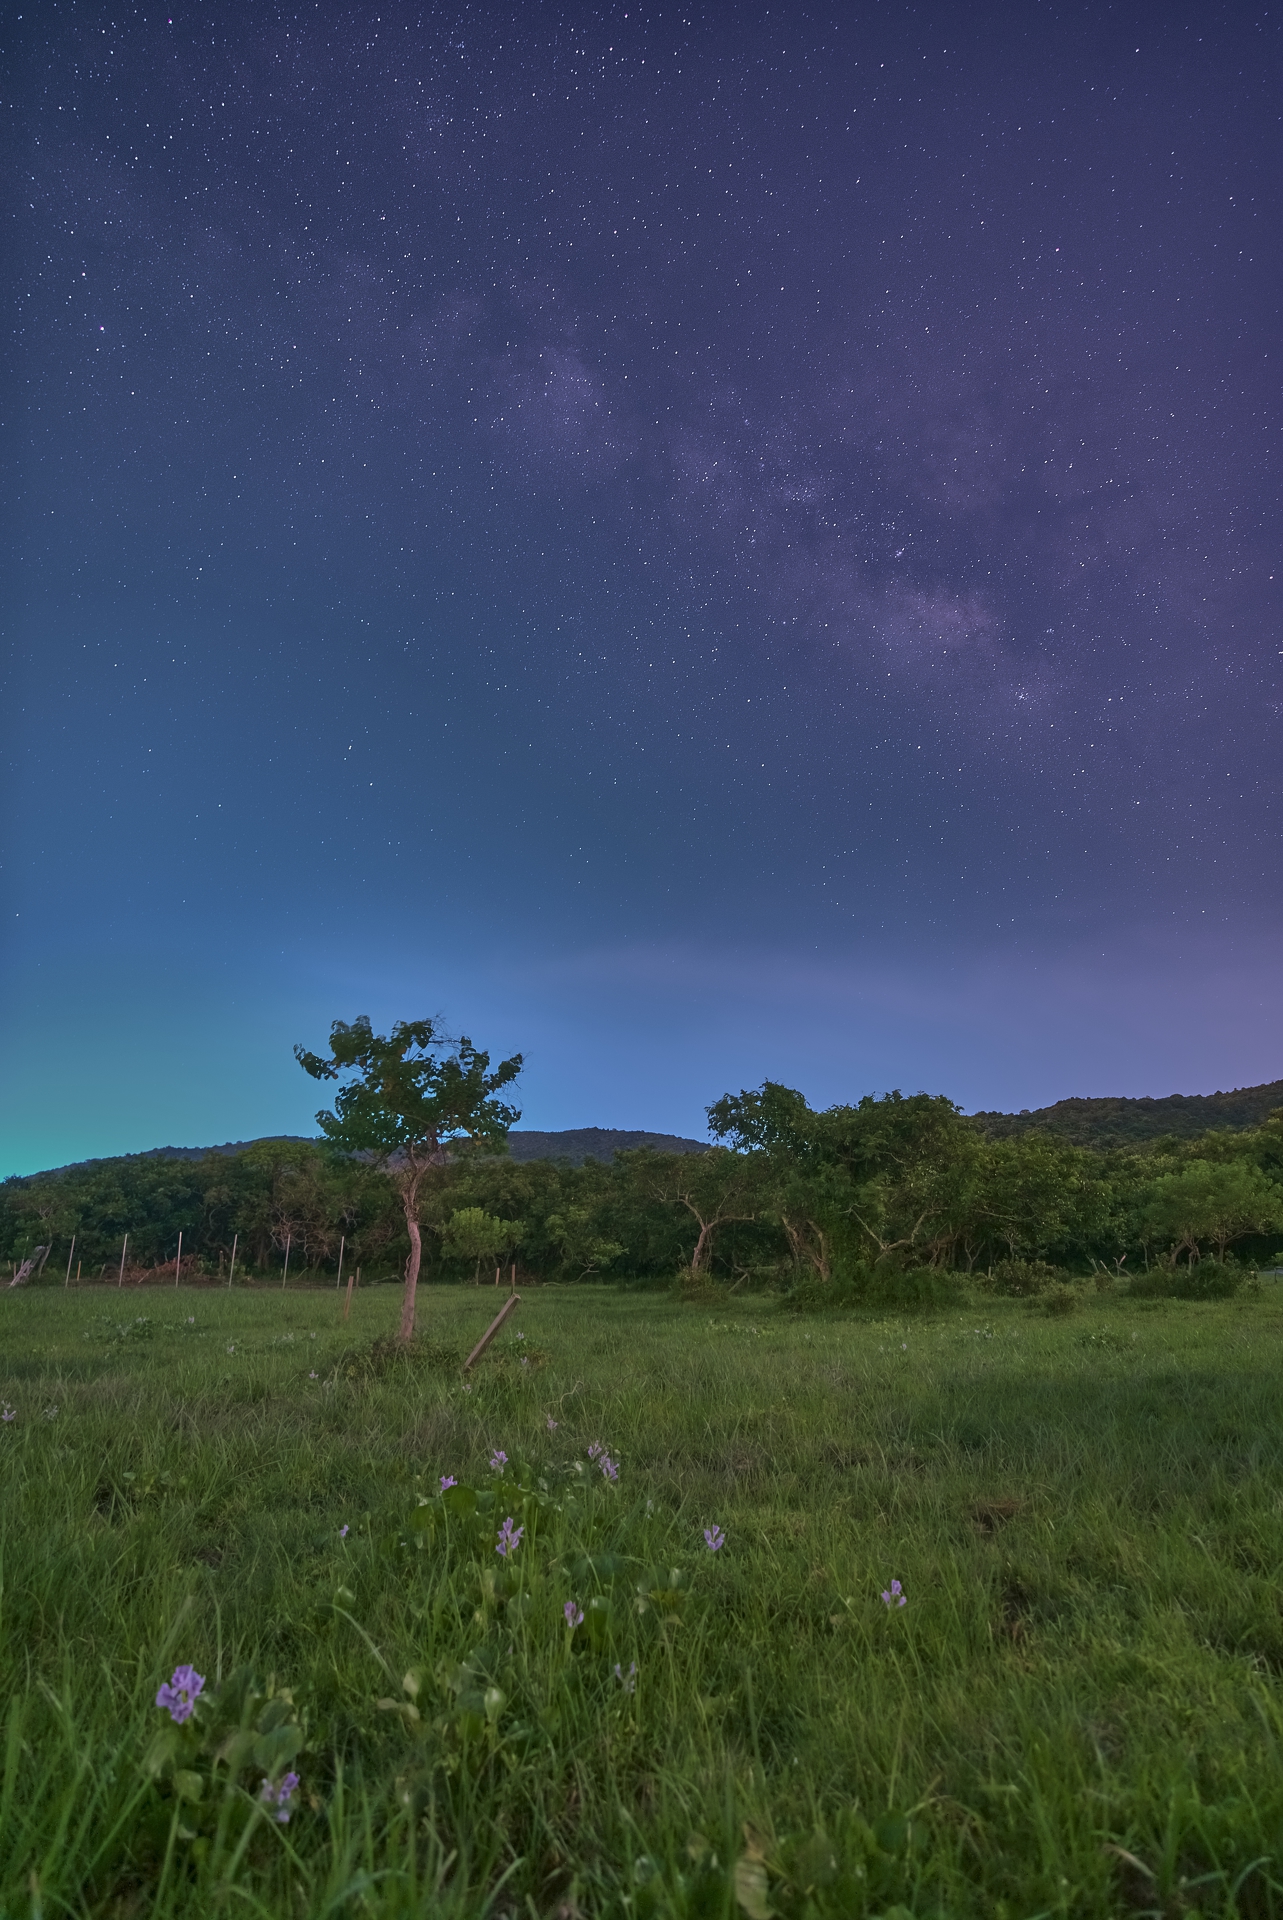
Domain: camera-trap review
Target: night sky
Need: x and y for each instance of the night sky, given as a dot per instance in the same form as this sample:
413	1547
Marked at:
699	544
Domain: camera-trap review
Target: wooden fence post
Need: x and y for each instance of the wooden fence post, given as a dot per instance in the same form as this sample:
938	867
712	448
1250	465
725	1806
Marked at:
513	1300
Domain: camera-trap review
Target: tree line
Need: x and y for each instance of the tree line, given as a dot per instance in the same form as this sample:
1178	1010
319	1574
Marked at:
789	1197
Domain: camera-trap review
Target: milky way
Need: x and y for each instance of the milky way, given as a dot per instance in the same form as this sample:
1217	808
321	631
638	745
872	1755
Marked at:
699	543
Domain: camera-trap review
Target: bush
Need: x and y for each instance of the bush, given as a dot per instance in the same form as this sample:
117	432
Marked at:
900	1289
698	1288
1205	1280
1059	1300
1023	1279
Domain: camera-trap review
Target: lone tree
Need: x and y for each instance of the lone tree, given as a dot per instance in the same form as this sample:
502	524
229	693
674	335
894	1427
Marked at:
414	1099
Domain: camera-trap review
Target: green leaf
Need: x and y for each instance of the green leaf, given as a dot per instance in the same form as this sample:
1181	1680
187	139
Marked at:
494	1702
274	1750
816	1864
598	1569
891	1832
188	1785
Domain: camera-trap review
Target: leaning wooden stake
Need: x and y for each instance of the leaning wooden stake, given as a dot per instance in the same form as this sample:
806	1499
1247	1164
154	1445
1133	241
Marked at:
513	1300
67	1281
347	1304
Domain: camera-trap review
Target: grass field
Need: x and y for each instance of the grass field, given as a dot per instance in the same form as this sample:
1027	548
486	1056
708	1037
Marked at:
1076	1711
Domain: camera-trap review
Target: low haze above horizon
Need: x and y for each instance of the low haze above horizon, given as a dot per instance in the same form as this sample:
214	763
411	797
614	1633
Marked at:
700	544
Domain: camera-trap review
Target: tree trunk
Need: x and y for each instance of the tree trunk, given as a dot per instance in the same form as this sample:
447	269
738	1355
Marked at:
702	1245
406	1329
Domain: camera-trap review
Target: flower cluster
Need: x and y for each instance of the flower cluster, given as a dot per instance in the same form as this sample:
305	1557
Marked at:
509	1538
178	1696
552	1424
8	1413
628	1681
498	1460
714	1538
892	1595
574	1615
448	1480
280	1797
609	1467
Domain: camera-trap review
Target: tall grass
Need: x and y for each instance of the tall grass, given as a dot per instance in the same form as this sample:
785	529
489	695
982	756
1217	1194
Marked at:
1076	1712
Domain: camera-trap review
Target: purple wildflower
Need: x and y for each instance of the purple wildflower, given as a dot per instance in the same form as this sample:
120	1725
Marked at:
8	1414
595	1449
312	1375
343	1532
448	1480
714	1538
892	1595
552	1424
609	1467
628	1681
178	1696
280	1796
509	1538
574	1615
498	1460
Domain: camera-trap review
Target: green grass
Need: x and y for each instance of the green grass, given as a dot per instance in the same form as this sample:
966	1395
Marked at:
1077	1711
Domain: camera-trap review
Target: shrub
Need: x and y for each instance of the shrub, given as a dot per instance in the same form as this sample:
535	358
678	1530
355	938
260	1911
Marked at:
1205	1280
697	1287
902	1289
1024	1279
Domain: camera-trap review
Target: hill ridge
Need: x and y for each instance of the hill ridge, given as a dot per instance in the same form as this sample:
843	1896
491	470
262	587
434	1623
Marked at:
1116	1119
1090	1121
576	1144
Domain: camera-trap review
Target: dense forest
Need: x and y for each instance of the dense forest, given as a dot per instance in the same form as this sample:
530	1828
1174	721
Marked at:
1117	1121
892	1192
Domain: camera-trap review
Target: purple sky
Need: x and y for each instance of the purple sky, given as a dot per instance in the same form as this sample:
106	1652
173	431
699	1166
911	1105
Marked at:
701	544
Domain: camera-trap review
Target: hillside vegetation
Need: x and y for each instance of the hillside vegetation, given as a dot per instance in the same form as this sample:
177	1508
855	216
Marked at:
875	1201
1118	1122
